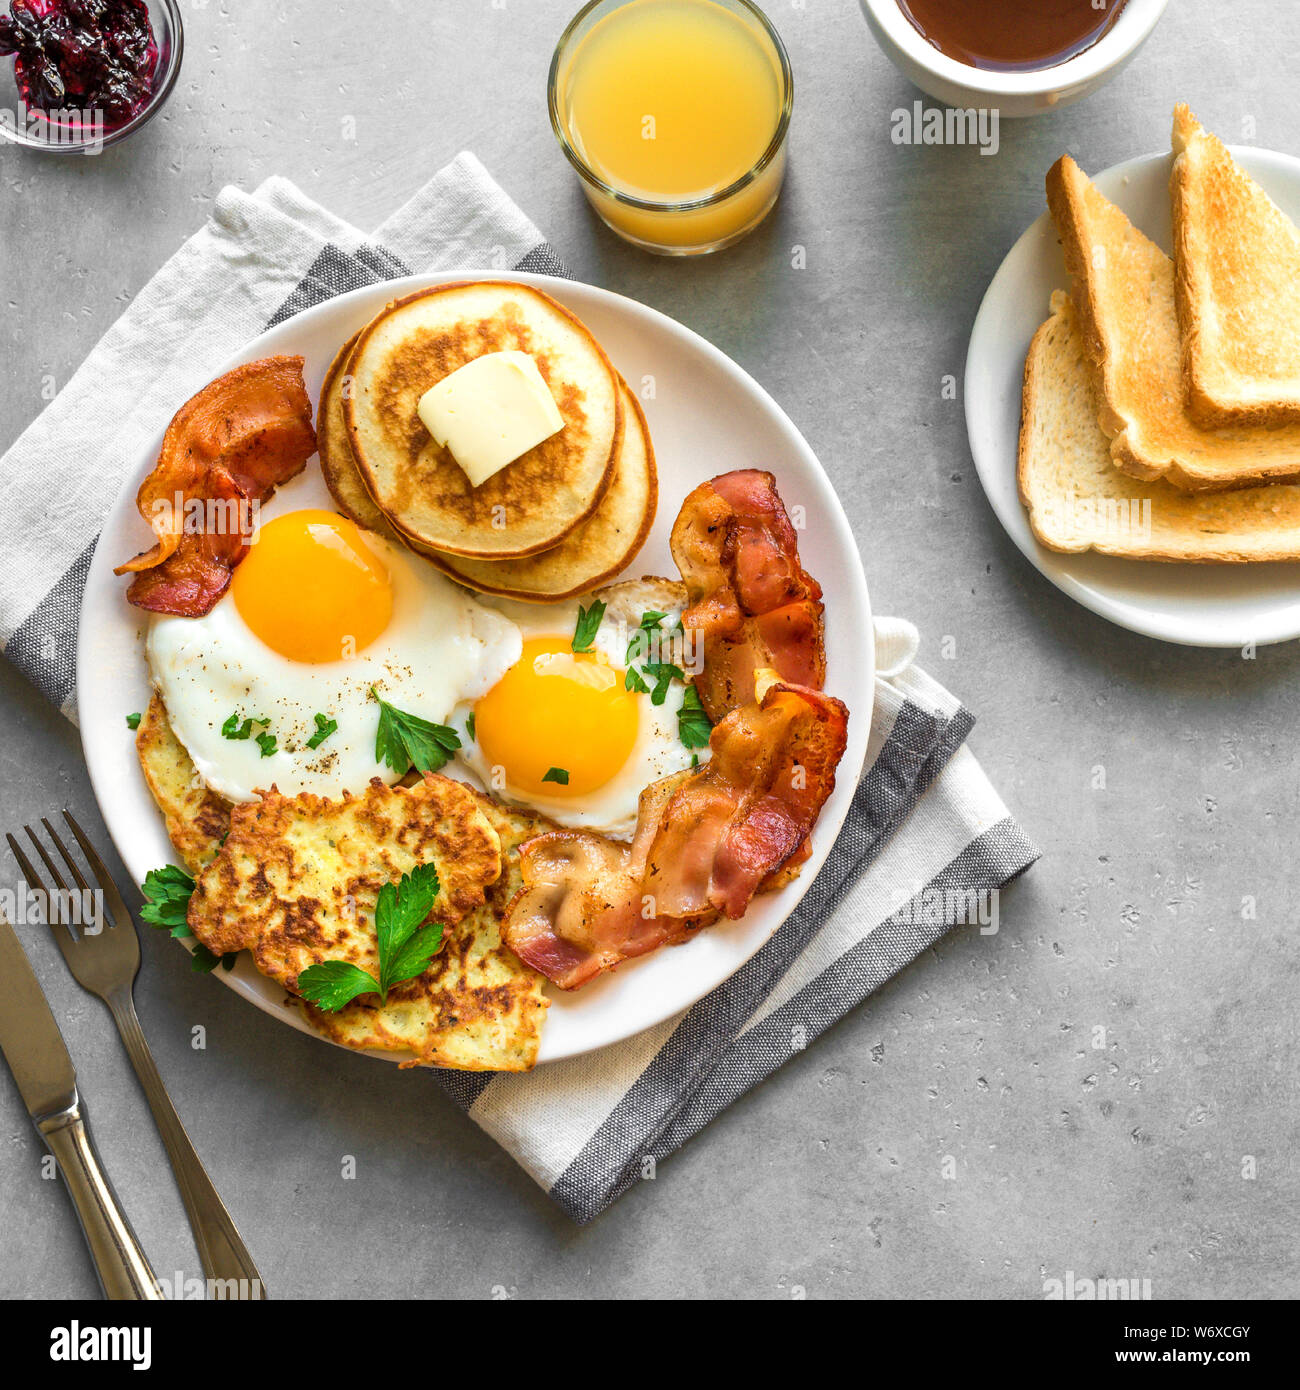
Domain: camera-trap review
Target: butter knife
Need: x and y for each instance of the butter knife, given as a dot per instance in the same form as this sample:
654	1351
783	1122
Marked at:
47	1081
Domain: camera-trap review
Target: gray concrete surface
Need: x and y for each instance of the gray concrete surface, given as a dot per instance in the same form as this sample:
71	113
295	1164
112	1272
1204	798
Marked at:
1120	1160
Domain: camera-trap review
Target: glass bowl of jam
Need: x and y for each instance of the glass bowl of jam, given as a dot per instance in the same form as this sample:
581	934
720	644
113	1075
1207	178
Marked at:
76	75
1020	57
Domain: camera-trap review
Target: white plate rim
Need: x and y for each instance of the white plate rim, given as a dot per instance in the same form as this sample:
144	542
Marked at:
989	359
102	742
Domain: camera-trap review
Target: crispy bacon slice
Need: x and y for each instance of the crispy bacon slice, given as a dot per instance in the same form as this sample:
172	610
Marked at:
751	601
226	451
751	806
582	909
197	572
705	842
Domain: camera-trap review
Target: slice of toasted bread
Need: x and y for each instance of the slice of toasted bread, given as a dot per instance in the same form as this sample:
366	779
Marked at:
1077	500
1237	257
1124	294
533	502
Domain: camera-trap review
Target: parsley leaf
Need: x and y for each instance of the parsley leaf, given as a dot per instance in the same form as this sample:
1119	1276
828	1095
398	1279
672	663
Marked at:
405	947
205	962
664	674
469	726
333	983
266	742
414	957
693	727
233	729
557	774
406	741
638	646
400	909
133	720
324	728
632	681
167	899
589	620
167	891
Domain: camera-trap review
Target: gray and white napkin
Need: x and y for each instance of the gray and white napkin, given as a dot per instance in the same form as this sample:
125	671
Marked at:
928	842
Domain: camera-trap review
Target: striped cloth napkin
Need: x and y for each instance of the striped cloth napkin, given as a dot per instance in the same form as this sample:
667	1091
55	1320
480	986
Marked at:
926	822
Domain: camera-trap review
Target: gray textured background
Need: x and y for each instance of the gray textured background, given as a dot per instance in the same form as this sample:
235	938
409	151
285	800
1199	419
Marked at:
1123	1160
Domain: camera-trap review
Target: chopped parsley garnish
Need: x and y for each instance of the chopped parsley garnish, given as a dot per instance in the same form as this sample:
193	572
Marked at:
404	951
266	742
406	741
638	646
324	728
133	720
557	774
233	729
664	673
167	893
469	726
693	727
589	620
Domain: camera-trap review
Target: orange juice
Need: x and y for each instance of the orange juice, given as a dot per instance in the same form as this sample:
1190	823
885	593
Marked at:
674	112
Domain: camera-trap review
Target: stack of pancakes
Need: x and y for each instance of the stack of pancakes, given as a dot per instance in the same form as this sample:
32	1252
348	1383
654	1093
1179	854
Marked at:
561	519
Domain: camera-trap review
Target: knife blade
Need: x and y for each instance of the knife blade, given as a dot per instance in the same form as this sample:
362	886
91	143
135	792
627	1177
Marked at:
47	1081
29	1037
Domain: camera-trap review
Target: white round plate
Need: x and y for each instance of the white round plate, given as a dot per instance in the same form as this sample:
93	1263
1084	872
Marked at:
706	416
1197	605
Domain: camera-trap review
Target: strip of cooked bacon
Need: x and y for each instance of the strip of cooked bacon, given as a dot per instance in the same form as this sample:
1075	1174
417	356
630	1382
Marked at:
582	909
197	572
751	601
225	452
751	806
705	843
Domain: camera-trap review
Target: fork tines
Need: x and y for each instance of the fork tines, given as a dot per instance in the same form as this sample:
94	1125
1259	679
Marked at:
80	906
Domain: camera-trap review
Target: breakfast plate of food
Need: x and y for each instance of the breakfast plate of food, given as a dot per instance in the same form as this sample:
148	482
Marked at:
1133	391
477	670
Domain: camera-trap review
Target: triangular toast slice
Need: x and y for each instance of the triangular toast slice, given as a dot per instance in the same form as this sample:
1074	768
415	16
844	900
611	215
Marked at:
1237	258
1078	501
1124	294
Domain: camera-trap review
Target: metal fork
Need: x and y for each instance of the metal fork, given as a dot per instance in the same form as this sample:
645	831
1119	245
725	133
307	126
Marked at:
105	958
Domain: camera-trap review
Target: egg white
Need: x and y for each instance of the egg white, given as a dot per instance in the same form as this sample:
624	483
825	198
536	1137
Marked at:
441	648
658	751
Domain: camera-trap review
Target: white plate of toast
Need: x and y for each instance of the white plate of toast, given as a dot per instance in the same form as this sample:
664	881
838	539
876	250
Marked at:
1155	477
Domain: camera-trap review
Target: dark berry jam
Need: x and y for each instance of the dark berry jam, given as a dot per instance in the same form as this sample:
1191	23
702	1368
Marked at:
91	54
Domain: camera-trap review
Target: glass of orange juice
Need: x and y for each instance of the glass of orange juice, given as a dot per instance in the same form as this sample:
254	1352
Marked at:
675	114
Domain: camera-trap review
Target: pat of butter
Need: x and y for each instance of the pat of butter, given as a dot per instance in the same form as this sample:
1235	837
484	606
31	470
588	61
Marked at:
490	411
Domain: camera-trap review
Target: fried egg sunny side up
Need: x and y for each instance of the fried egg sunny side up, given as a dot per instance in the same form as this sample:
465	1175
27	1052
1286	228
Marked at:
321	612
568	733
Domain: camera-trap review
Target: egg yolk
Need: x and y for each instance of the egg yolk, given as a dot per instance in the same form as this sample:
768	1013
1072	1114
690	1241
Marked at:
312	589
556	708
